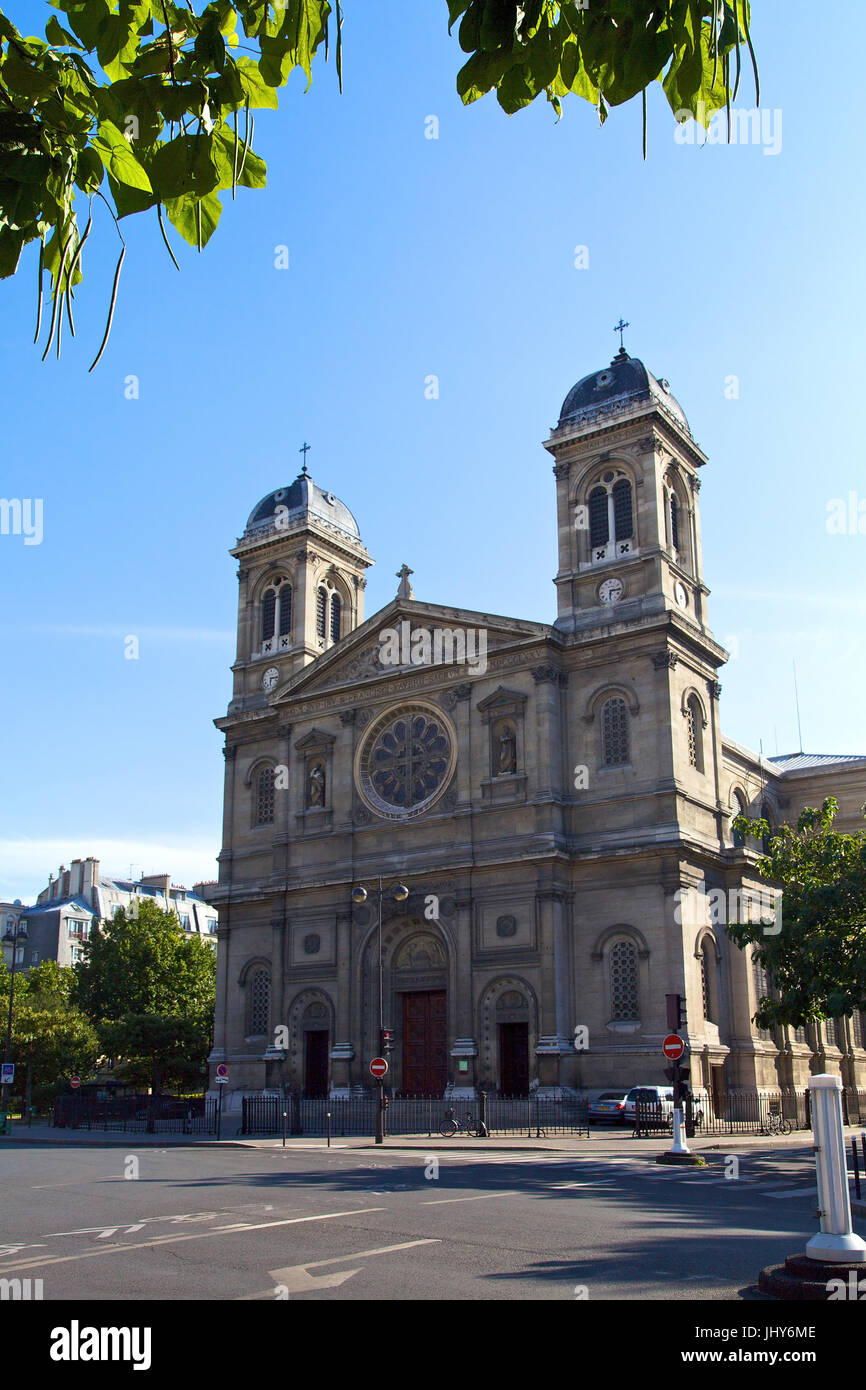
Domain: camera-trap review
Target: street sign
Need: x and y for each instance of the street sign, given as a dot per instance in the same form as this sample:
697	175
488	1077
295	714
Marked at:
7	1073
673	1047
75	1082
378	1066
221	1080
222	1072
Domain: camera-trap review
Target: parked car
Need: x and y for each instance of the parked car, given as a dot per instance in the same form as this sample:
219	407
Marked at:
610	1106
657	1095
649	1095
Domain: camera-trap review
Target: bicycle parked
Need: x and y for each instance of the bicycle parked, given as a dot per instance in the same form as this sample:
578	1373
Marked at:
452	1125
776	1123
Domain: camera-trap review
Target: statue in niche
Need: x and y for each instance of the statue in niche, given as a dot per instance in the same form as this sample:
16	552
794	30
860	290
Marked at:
507	762
316	786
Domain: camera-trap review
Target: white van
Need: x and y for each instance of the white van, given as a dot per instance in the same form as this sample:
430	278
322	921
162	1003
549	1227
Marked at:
649	1095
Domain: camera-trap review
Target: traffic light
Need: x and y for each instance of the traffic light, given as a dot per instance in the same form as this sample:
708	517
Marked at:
676	1006
386	1040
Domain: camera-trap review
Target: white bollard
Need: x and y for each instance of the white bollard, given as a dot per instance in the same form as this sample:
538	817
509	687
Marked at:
679	1145
836	1240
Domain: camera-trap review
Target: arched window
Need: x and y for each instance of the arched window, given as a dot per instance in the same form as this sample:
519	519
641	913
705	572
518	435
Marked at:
265	798
708	965
695	718
767	815
611	518
622	510
276	614
322	613
614	733
762	989
675	522
599	532
336	615
738	839
624	1002
259	1003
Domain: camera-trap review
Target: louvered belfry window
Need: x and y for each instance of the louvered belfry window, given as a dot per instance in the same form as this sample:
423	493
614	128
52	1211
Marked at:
322	613
598	522
336	614
614	733
622	510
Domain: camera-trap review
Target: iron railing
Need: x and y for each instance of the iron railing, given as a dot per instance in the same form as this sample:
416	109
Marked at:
137	1114
410	1115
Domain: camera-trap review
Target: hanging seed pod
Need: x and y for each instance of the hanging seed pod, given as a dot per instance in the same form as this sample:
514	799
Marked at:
39	299
57	293
110	311
165	235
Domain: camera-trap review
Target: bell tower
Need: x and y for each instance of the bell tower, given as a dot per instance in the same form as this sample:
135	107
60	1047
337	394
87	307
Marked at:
301	586
627	486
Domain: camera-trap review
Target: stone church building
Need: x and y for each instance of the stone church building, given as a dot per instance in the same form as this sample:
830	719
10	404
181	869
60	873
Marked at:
547	808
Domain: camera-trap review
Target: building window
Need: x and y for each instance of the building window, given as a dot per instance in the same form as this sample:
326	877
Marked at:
336	615
707	963
767	815
611	518
622	510
623	981
614	733
276	614
738	839
857	1028
259	1003
695	720
762	989
321	613
599	533
265	798
675	523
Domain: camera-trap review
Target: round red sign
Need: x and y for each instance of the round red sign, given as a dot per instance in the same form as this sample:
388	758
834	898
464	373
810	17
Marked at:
673	1047
378	1066
75	1082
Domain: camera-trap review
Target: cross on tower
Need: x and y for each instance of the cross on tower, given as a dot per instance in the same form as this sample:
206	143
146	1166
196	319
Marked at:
620	329
304	449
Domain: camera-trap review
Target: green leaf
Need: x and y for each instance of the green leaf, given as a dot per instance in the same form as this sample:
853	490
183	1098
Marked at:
88	170
255	170
130	185
183	167
26	79
86	18
182	214
256	89
11	244
59	37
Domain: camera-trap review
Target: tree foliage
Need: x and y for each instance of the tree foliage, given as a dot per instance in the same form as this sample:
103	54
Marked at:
817	963
150	992
50	1035
147	105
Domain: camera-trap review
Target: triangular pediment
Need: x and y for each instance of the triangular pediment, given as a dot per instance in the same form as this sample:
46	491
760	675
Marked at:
409	636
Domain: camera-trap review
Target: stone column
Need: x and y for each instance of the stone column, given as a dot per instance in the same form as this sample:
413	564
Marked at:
461	1027
553	1041
342	1051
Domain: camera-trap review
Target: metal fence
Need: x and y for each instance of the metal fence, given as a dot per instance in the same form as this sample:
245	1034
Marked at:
410	1115
137	1114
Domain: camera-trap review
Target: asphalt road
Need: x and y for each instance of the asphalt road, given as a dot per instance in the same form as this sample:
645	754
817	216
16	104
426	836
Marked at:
303	1223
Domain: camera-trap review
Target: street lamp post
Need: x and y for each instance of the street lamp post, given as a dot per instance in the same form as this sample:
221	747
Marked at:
359	896
13	935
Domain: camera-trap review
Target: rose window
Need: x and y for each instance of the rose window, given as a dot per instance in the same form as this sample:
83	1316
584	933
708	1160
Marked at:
406	761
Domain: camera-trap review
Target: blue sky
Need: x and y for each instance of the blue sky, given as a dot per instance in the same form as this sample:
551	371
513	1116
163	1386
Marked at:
411	257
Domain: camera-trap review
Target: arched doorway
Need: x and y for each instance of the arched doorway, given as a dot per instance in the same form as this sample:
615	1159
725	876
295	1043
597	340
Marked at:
421	998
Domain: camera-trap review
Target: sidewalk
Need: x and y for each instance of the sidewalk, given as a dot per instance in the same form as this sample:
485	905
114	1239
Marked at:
604	1144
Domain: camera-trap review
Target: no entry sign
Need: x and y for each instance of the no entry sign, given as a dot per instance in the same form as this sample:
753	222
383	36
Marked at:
673	1047
75	1082
378	1066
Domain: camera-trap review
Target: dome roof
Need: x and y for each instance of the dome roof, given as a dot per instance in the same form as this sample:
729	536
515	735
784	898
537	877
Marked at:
304	499
625	380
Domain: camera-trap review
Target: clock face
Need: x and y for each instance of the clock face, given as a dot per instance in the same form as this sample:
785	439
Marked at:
270	678
680	595
611	591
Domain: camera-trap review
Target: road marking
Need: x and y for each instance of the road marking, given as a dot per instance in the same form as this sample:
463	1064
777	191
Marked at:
292	1273
487	1197
811	1191
174	1240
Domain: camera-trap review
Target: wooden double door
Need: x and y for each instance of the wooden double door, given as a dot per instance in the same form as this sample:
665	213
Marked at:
425	1043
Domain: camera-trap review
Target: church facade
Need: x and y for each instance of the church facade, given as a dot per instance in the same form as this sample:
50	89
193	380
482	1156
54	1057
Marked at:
540	816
